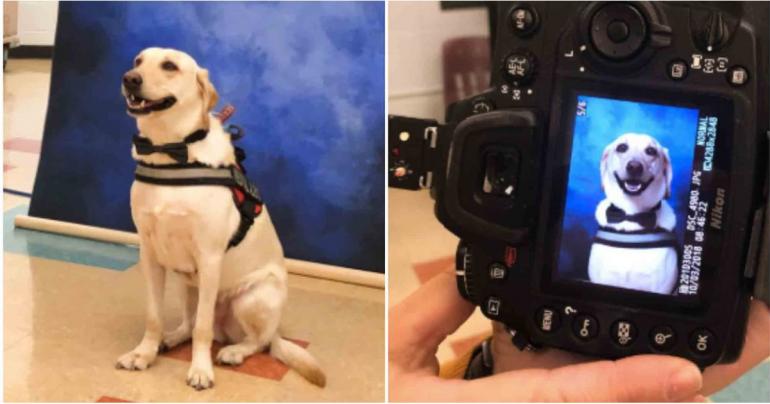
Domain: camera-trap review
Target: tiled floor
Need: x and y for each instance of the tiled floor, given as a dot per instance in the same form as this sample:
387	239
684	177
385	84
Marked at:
419	247
72	306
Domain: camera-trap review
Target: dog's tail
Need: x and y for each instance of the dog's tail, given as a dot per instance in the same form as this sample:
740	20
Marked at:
298	359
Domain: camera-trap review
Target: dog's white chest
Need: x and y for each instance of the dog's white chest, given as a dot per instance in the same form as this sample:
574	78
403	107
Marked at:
644	269
175	222
166	227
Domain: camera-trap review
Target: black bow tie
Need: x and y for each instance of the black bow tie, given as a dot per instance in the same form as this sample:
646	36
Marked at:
177	151
647	220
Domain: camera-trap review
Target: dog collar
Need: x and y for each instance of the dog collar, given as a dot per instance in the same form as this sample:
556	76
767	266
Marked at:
177	151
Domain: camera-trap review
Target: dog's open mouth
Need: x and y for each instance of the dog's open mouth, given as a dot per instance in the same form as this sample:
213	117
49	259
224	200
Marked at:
140	106
633	186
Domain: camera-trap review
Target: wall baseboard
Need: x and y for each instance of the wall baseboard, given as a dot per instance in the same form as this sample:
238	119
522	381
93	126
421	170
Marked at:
31	52
298	267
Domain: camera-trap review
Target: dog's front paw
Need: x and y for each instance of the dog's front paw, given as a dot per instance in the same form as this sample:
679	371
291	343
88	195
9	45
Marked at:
200	378
136	360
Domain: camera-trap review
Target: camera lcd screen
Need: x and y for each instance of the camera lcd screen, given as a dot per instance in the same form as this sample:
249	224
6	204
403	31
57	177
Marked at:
634	216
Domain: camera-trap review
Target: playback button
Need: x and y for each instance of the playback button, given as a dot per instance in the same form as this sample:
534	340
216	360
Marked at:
493	307
547	319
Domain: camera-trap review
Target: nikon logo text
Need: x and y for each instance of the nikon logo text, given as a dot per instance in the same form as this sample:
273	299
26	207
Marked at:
718	211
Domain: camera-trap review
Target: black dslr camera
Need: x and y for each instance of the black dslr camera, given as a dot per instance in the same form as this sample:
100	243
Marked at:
610	187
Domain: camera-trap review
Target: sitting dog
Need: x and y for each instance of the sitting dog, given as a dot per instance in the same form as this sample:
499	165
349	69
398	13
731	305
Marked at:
635	247
234	270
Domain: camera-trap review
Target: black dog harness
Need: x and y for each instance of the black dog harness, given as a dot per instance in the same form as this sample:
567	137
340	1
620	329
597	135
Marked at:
245	194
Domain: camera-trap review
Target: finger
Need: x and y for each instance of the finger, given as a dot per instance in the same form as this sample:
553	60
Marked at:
427	316
755	350
638	378
695	399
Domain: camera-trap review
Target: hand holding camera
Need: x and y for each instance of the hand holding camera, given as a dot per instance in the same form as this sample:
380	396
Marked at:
610	188
417	329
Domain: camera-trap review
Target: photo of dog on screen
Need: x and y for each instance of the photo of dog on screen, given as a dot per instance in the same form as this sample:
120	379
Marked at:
635	247
627	194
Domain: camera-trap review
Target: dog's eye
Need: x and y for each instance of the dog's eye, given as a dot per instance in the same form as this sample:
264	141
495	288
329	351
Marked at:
169	66
651	151
137	62
622	148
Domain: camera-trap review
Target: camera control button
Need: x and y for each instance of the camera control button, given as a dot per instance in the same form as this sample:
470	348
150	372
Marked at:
547	319
662	338
623	332
524	21
497	271
493	306
519	67
617	31
481	106
737	76
585	327
702	341
677	70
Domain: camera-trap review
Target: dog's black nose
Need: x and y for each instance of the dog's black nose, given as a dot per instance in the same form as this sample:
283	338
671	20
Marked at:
634	168
132	80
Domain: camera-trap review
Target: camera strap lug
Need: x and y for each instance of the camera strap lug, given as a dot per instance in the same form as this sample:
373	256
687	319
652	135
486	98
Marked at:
431	139
520	341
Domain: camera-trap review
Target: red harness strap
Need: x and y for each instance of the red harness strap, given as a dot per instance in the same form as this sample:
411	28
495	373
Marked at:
249	208
239	197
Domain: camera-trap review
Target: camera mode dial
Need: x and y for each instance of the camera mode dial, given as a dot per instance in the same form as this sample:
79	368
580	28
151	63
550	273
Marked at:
711	29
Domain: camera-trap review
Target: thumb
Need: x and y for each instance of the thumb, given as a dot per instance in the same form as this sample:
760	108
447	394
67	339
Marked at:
651	378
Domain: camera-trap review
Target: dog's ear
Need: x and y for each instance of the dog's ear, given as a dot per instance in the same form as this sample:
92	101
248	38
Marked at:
603	162
668	172
208	92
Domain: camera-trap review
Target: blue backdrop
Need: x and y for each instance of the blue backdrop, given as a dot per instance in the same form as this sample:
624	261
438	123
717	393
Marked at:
606	119
307	80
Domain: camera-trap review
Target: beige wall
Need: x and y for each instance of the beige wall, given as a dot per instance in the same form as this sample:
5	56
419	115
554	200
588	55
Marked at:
416	31
37	22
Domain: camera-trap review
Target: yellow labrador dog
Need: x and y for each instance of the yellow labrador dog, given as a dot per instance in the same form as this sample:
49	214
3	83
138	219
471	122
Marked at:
232	295
635	247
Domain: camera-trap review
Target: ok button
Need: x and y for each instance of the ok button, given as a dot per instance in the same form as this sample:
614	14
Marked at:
702	341
585	327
